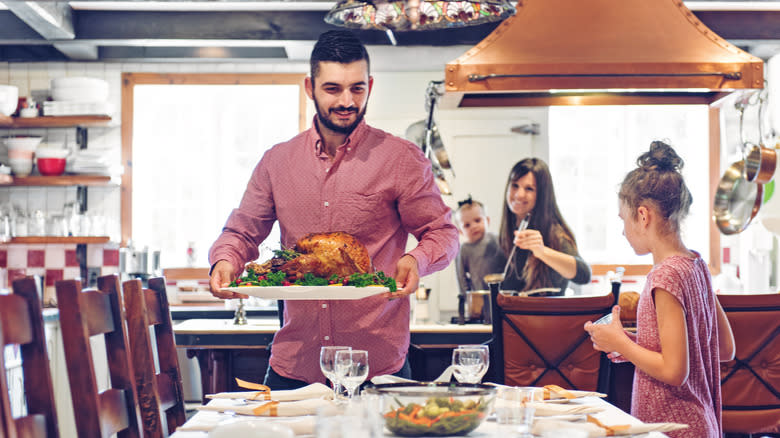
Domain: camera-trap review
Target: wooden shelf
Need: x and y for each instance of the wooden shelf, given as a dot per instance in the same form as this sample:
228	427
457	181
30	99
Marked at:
62	180
53	121
55	239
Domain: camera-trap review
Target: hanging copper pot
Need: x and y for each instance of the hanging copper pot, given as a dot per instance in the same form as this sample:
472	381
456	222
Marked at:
760	163
737	200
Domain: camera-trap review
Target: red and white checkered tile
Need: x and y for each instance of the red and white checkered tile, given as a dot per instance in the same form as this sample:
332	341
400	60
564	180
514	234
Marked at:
54	262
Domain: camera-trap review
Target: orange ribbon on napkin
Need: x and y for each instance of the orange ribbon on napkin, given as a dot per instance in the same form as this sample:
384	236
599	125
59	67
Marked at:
270	407
264	392
558	390
611	430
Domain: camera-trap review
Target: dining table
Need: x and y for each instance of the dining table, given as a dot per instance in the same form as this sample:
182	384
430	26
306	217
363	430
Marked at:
198	425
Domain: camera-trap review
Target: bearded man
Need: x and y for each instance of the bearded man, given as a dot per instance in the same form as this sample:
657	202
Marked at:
341	175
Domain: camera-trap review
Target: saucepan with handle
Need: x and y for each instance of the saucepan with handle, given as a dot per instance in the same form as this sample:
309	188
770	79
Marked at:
737	200
760	161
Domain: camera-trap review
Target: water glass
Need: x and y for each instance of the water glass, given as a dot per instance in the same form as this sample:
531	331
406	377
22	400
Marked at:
328	366
361	416
487	356
514	412
469	364
351	369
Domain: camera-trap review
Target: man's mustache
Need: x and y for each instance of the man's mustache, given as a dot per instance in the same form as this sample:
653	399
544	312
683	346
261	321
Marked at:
351	109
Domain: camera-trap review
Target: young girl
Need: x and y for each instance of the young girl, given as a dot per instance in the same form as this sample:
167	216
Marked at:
682	332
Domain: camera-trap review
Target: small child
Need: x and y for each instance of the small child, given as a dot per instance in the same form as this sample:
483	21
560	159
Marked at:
682	332
480	254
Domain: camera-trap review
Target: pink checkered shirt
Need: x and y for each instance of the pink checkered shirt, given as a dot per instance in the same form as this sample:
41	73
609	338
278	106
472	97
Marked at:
379	188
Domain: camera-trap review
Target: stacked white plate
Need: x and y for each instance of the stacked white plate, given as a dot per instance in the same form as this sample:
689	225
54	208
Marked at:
78	96
92	162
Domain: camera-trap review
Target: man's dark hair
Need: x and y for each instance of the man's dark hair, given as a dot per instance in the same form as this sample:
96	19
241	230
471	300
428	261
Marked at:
340	46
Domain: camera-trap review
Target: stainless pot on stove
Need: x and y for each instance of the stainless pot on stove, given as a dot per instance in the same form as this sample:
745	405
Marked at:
139	262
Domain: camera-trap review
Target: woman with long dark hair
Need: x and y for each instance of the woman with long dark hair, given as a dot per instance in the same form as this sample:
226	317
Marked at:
546	252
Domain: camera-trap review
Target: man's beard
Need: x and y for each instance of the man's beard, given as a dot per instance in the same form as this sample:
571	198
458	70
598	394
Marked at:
322	117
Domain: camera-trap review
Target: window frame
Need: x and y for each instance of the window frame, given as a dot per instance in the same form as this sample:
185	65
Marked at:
131	79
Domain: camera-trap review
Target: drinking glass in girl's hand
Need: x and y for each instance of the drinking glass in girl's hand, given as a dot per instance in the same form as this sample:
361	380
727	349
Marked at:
470	364
328	366
351	369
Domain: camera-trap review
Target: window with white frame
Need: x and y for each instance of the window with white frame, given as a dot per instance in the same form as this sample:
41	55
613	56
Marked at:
591	150
194	149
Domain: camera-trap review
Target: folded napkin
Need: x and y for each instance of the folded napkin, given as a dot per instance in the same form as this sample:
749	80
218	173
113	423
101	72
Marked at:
389	378
542	409
445	376
315	390
555	392
595	428
300	426
270	408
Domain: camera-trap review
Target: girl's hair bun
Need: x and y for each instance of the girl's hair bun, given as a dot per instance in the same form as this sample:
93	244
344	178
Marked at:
660	157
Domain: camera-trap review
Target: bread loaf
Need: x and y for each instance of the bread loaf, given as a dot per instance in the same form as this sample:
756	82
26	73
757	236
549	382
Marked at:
628	301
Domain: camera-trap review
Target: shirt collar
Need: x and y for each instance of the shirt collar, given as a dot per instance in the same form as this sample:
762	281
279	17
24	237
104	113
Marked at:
353	140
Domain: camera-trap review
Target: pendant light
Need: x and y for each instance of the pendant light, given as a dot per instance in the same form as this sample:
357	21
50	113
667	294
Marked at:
405	15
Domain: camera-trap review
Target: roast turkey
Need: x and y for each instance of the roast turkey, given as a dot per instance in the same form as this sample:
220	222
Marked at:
323	255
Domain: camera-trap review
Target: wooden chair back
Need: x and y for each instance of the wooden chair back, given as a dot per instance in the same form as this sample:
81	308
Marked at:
523	353
86	313
750	384
159	395
22	324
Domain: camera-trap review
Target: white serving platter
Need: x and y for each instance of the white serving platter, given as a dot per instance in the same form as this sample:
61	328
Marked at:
309	292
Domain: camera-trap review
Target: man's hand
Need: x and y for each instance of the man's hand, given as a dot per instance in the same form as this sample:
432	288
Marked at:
221	276
406	277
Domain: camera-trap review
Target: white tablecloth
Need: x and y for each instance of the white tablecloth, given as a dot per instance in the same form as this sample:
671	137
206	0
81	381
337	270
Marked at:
611	415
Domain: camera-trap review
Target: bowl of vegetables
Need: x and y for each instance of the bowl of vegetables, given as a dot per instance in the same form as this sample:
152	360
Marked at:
434	409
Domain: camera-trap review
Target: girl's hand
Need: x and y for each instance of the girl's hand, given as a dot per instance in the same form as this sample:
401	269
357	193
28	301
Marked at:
608	337
531	240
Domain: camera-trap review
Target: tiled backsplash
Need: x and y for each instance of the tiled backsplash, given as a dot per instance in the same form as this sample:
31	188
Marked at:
54	262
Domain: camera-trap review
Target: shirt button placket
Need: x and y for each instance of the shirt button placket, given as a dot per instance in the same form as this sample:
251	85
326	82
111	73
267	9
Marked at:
324	320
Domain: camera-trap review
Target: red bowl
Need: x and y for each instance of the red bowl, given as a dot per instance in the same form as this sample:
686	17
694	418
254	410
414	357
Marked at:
51	166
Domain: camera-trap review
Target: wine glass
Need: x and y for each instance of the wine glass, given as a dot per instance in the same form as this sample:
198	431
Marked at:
470	364
487	356
351	369
328	365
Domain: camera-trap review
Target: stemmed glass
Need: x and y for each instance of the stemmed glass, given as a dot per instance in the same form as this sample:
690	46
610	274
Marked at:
351	369
328	365
470	364
487	356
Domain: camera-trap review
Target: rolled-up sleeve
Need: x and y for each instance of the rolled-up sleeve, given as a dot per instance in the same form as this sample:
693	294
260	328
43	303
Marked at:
425	216
249	224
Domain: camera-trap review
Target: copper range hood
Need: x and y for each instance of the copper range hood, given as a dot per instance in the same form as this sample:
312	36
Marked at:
599	52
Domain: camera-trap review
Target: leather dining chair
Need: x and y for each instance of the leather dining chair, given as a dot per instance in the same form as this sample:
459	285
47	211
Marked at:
540	341
83	314
22	324
750	384
160	394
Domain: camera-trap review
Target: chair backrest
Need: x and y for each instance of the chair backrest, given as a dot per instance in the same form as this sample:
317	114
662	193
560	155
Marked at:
98	312
750	384
161	393
540	341
22	324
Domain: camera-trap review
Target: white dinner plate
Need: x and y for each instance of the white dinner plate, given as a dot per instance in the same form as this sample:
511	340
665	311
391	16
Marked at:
309	292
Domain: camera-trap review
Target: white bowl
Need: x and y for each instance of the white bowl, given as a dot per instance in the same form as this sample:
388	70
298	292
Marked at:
28	143
78	82
21	166
251	428
9	99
